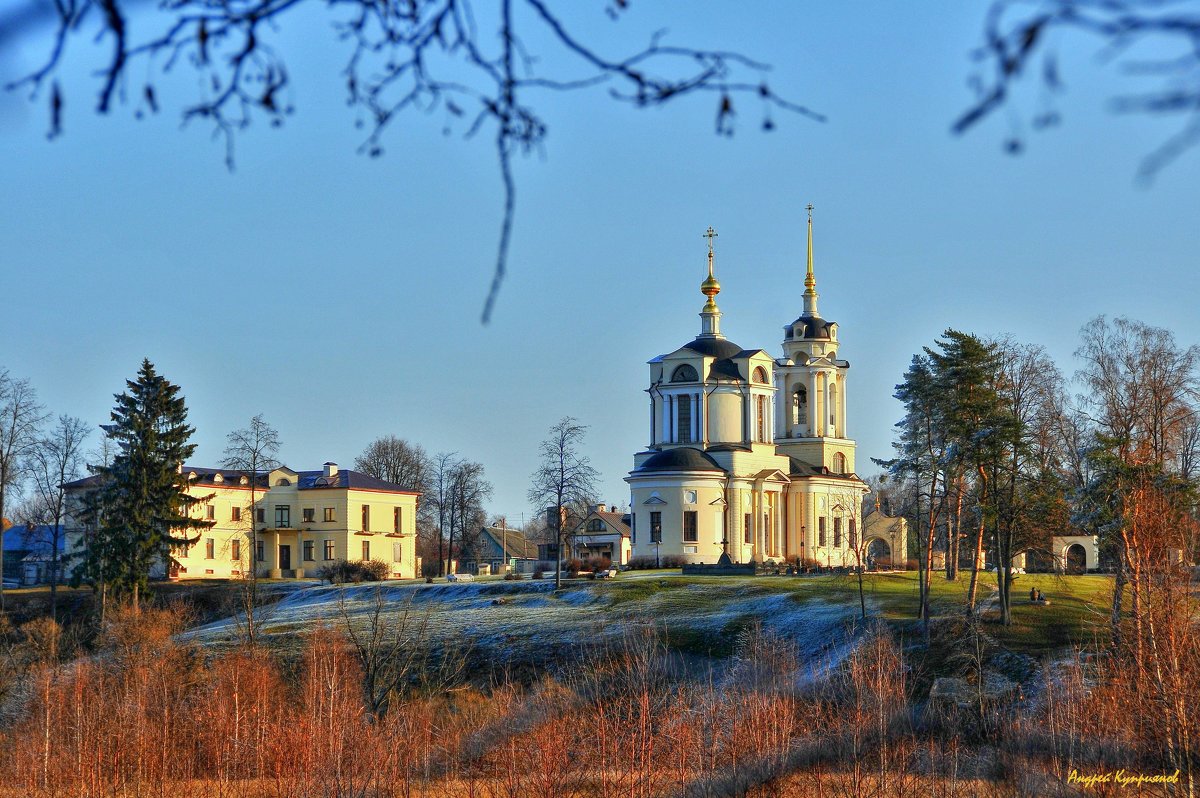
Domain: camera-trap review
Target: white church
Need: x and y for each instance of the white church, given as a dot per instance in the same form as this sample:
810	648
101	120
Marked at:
750	455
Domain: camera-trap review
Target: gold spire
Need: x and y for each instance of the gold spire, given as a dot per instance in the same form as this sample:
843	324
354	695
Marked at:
710	287
810	280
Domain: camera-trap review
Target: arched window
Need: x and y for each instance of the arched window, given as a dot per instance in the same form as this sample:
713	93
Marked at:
839	463
683	418
684	373
282	482
760	375
800	406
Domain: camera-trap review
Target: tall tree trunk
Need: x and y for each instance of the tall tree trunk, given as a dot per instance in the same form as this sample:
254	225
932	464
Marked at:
977	554
954	535
1118	595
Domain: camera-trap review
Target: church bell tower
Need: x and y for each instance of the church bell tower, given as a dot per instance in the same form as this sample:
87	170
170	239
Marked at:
811	411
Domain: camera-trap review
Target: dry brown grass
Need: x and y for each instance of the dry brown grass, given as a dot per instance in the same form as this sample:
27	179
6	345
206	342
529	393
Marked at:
150	716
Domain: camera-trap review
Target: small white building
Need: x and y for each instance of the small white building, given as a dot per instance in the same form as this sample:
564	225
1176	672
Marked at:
603	533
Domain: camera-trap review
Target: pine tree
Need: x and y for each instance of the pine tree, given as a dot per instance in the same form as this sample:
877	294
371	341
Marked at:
145	494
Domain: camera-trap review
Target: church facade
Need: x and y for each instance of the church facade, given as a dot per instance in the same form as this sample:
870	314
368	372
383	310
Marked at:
750	455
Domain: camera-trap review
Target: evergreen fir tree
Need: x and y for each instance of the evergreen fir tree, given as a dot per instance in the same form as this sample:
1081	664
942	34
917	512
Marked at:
145	494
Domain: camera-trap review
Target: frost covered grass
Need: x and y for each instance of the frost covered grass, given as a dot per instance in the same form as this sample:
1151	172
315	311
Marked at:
515	623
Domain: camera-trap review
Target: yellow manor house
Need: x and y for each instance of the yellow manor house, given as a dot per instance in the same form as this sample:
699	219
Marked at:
303	519
750	455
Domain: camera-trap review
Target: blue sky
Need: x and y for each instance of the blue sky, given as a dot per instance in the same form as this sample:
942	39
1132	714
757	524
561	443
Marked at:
340	295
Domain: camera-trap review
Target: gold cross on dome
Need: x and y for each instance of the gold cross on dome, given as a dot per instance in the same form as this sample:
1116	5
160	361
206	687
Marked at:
710	235
809	208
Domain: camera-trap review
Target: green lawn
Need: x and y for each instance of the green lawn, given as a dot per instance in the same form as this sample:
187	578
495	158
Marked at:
1078	607
1077	611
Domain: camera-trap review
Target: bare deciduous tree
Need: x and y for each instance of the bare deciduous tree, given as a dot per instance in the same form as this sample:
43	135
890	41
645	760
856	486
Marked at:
21	419
395	650
474	63
395	460
57	459
467	491
252	451
565	477
1021	41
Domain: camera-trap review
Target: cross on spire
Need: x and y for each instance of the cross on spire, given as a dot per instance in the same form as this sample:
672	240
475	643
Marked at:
710	234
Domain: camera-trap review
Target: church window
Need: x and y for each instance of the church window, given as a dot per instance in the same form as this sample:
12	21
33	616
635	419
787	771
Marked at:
760	375
837	532
690	530
683	420
684	373
366	520
749	521
839	463
761	427
632	529
656	527
832	409
853	535
820	531
283	482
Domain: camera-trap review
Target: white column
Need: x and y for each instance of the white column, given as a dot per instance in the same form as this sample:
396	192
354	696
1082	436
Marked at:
842	410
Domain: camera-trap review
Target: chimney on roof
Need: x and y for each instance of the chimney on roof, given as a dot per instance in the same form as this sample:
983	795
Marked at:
601	507
331	469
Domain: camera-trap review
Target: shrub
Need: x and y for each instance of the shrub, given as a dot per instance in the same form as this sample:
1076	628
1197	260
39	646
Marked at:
342	571
572	566
538	573
645	563
512	576
431	568
597	564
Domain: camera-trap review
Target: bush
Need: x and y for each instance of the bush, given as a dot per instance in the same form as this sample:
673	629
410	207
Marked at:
538	573
342	571
512	576
431	568
597	564
646	563
572	566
